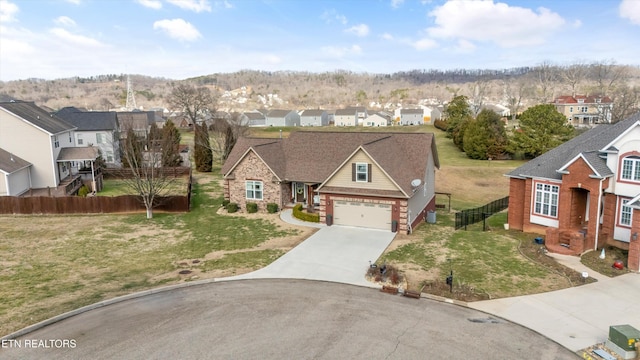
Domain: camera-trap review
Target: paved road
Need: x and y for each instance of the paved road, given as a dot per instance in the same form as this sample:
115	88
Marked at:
285	319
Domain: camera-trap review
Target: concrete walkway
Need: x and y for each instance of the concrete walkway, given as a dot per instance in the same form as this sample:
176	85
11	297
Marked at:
576	317
334	253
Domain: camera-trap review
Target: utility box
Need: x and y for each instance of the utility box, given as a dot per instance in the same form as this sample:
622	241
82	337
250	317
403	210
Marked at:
431	217
625	336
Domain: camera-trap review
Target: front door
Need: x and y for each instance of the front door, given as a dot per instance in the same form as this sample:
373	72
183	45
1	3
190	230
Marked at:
300	193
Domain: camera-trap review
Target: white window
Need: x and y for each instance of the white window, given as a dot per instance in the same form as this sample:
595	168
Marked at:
254	190
631	168
101	138
570	109
110	156
362	172
546	201
625	213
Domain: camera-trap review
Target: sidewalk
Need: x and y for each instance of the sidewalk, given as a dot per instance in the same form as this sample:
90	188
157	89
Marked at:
576	317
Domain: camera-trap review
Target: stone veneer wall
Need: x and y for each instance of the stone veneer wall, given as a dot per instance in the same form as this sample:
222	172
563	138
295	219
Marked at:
252	168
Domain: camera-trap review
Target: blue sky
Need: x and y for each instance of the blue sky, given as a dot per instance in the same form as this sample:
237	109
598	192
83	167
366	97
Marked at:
183	38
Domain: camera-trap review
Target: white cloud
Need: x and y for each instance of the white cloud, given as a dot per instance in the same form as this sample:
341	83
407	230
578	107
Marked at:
339	52
361	30
152	4
74	38
8	11
465	46
630	9
577	24
387	36
65	21
330	16
178	29
396	3
507	26
75	2
424	44
193	5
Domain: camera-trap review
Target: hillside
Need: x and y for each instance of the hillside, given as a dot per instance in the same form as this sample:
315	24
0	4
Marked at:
248	90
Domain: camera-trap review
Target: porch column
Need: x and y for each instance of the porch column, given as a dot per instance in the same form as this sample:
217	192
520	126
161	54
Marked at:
633	261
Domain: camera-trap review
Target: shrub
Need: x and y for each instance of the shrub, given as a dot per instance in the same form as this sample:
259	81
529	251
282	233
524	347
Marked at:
225	202
83	191
303	215
440	124
232	207
272	208
252	207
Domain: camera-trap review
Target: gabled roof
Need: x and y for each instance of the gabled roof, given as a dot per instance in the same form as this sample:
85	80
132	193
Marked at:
89	120
587	99
593	159
278	113
10	163
411	111
312	156
348	111
37	116
590	144
254	115
312	112
137	120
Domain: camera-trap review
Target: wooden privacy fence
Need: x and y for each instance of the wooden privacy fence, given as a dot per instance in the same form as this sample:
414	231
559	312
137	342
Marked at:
88	205
166	171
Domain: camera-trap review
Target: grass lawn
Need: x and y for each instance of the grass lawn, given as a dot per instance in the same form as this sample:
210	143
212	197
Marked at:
53	264
117	187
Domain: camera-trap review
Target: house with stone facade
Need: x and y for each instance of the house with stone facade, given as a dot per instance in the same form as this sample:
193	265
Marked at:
584	194
365	179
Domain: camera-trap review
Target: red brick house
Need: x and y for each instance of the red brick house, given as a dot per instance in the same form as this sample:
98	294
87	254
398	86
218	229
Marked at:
585	193
375	180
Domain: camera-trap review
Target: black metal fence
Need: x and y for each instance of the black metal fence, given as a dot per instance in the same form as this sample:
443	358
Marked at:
472	216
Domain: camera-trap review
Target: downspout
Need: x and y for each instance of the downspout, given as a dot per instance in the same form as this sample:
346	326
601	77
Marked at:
598	215
6	181
93	178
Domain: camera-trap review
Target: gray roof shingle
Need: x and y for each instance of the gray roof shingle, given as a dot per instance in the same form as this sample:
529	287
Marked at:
90	120
590	144
10	163
37	116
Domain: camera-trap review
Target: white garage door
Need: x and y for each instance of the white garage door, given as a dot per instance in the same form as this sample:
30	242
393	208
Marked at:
376	216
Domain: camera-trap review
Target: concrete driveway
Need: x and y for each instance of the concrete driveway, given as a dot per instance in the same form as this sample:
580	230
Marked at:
334	253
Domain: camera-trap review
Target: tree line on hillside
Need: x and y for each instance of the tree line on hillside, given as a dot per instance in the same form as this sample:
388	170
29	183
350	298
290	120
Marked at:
484	137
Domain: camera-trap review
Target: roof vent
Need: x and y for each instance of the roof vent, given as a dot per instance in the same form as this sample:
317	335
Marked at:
11	157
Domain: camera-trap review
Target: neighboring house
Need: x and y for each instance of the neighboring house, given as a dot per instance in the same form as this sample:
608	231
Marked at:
411	117
377	119
254	118
361	113
282	118
503	111
139	121
431	114
314	118
585	111
585	193
346	117
37	137
15	175
95	128
365	179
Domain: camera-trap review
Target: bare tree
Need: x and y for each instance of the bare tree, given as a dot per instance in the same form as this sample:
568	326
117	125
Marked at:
515	91
573	75
143	157
626	102
608	75
545	78
196	103
477	94
225	134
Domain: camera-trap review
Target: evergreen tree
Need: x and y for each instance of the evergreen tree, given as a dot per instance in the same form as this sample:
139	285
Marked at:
458	115
170	145
485	137
542	128
202	153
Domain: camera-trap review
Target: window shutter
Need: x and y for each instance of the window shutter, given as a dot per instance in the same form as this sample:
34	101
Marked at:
353	171
368	172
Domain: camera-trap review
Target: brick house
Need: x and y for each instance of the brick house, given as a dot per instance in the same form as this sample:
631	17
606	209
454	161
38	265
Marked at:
375	180
584	194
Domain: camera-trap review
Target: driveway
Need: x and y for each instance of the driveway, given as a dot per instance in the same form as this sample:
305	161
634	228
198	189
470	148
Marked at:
283	319
334	253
